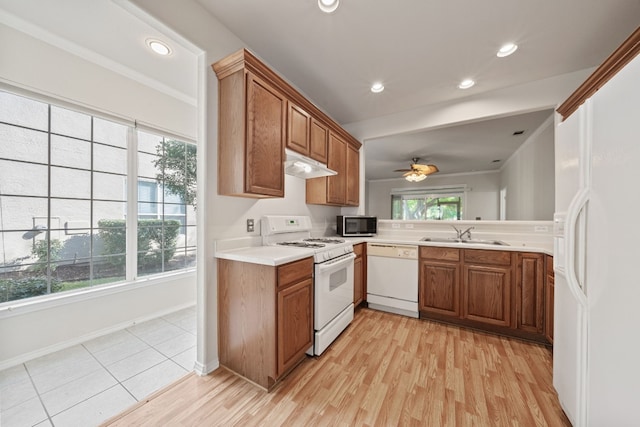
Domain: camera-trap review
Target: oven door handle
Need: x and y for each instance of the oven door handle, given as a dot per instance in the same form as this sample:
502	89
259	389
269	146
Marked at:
336	262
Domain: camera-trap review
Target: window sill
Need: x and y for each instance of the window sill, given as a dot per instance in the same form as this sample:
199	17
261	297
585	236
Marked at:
19	307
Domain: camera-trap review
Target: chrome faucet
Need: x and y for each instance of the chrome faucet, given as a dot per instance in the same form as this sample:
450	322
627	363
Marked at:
461	234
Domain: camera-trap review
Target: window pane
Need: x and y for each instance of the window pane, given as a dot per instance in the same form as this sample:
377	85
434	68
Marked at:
15	285
148	143
110	133
108	186
146	166
71	152
109	159
70	276
192	236
191	215
109	269
70	214
147	191
23	179
70	183
23	144
108	211
21	213
22	111
76	247
70	123
16	248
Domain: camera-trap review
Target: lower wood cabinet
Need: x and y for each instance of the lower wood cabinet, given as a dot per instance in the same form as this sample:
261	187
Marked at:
359	274
439	288
494	290
549	298
265	318
487	294
529	292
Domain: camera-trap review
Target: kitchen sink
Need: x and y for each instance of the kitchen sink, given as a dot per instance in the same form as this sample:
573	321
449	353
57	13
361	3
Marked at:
467	241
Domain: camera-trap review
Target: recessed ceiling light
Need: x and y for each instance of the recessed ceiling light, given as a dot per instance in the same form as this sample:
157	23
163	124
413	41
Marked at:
518	132
328	6
159	47
466	84
377	87
507	50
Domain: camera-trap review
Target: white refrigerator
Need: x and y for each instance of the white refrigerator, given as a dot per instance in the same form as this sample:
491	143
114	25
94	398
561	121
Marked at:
596	354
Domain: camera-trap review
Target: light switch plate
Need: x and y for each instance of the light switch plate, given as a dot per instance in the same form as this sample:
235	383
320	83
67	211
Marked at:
250	225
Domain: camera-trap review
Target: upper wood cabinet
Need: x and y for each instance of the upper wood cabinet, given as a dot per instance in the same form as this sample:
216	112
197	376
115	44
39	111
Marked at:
251	137
259	115
342	189
353	177
318	141
337	184
298	138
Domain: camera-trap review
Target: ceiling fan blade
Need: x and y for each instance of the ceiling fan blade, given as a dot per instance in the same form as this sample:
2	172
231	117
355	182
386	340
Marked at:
402	170
427	169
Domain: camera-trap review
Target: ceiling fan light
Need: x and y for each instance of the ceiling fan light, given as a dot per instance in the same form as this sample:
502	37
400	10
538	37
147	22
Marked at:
415	177
328	6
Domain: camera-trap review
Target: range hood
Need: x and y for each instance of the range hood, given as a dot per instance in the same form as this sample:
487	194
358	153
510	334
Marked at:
304	167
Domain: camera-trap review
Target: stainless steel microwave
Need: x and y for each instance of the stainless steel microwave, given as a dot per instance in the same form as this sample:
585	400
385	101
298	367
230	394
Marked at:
351	226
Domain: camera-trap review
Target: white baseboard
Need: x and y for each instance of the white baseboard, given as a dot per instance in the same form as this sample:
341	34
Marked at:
14	361
205	369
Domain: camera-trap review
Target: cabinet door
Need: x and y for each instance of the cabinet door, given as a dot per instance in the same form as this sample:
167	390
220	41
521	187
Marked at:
318	141
487	294
529	289
439	288
299	128
358	282
353	176
295	324
337	184
549	301
266	133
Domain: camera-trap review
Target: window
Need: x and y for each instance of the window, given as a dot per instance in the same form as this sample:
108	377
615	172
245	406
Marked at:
428	204
64	202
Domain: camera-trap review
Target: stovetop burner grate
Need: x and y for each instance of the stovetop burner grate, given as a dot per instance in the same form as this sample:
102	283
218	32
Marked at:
324	240
302	244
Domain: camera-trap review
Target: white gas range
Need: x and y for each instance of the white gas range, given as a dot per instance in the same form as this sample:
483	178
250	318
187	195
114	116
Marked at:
332	276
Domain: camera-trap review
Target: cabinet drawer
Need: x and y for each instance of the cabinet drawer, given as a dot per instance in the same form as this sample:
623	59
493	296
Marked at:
295	272
480	256
358	249
443	254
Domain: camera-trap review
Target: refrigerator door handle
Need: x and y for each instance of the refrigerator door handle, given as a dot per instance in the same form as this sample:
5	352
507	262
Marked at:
573	214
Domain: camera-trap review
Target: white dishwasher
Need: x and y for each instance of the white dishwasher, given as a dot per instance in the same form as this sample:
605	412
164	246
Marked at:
392	278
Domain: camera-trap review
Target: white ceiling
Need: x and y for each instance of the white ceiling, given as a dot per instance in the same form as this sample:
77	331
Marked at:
419	49
109	32
457	149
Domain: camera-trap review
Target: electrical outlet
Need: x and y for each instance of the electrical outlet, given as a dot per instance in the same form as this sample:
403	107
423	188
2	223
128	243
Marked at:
541	229
408	226
395	225
250	226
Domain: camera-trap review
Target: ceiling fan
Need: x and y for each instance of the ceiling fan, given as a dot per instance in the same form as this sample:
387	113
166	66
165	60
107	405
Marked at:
418	171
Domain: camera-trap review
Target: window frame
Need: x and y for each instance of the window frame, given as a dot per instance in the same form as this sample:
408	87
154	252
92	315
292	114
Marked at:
130	199
427	193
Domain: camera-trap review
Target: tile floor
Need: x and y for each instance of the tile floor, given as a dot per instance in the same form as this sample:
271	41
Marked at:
91	382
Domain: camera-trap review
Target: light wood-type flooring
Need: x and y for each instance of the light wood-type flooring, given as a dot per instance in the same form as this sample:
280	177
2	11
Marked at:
384	370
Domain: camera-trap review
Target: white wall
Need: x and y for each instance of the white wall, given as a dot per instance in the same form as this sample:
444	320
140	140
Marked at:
30	329
33	64
529	177
481	198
